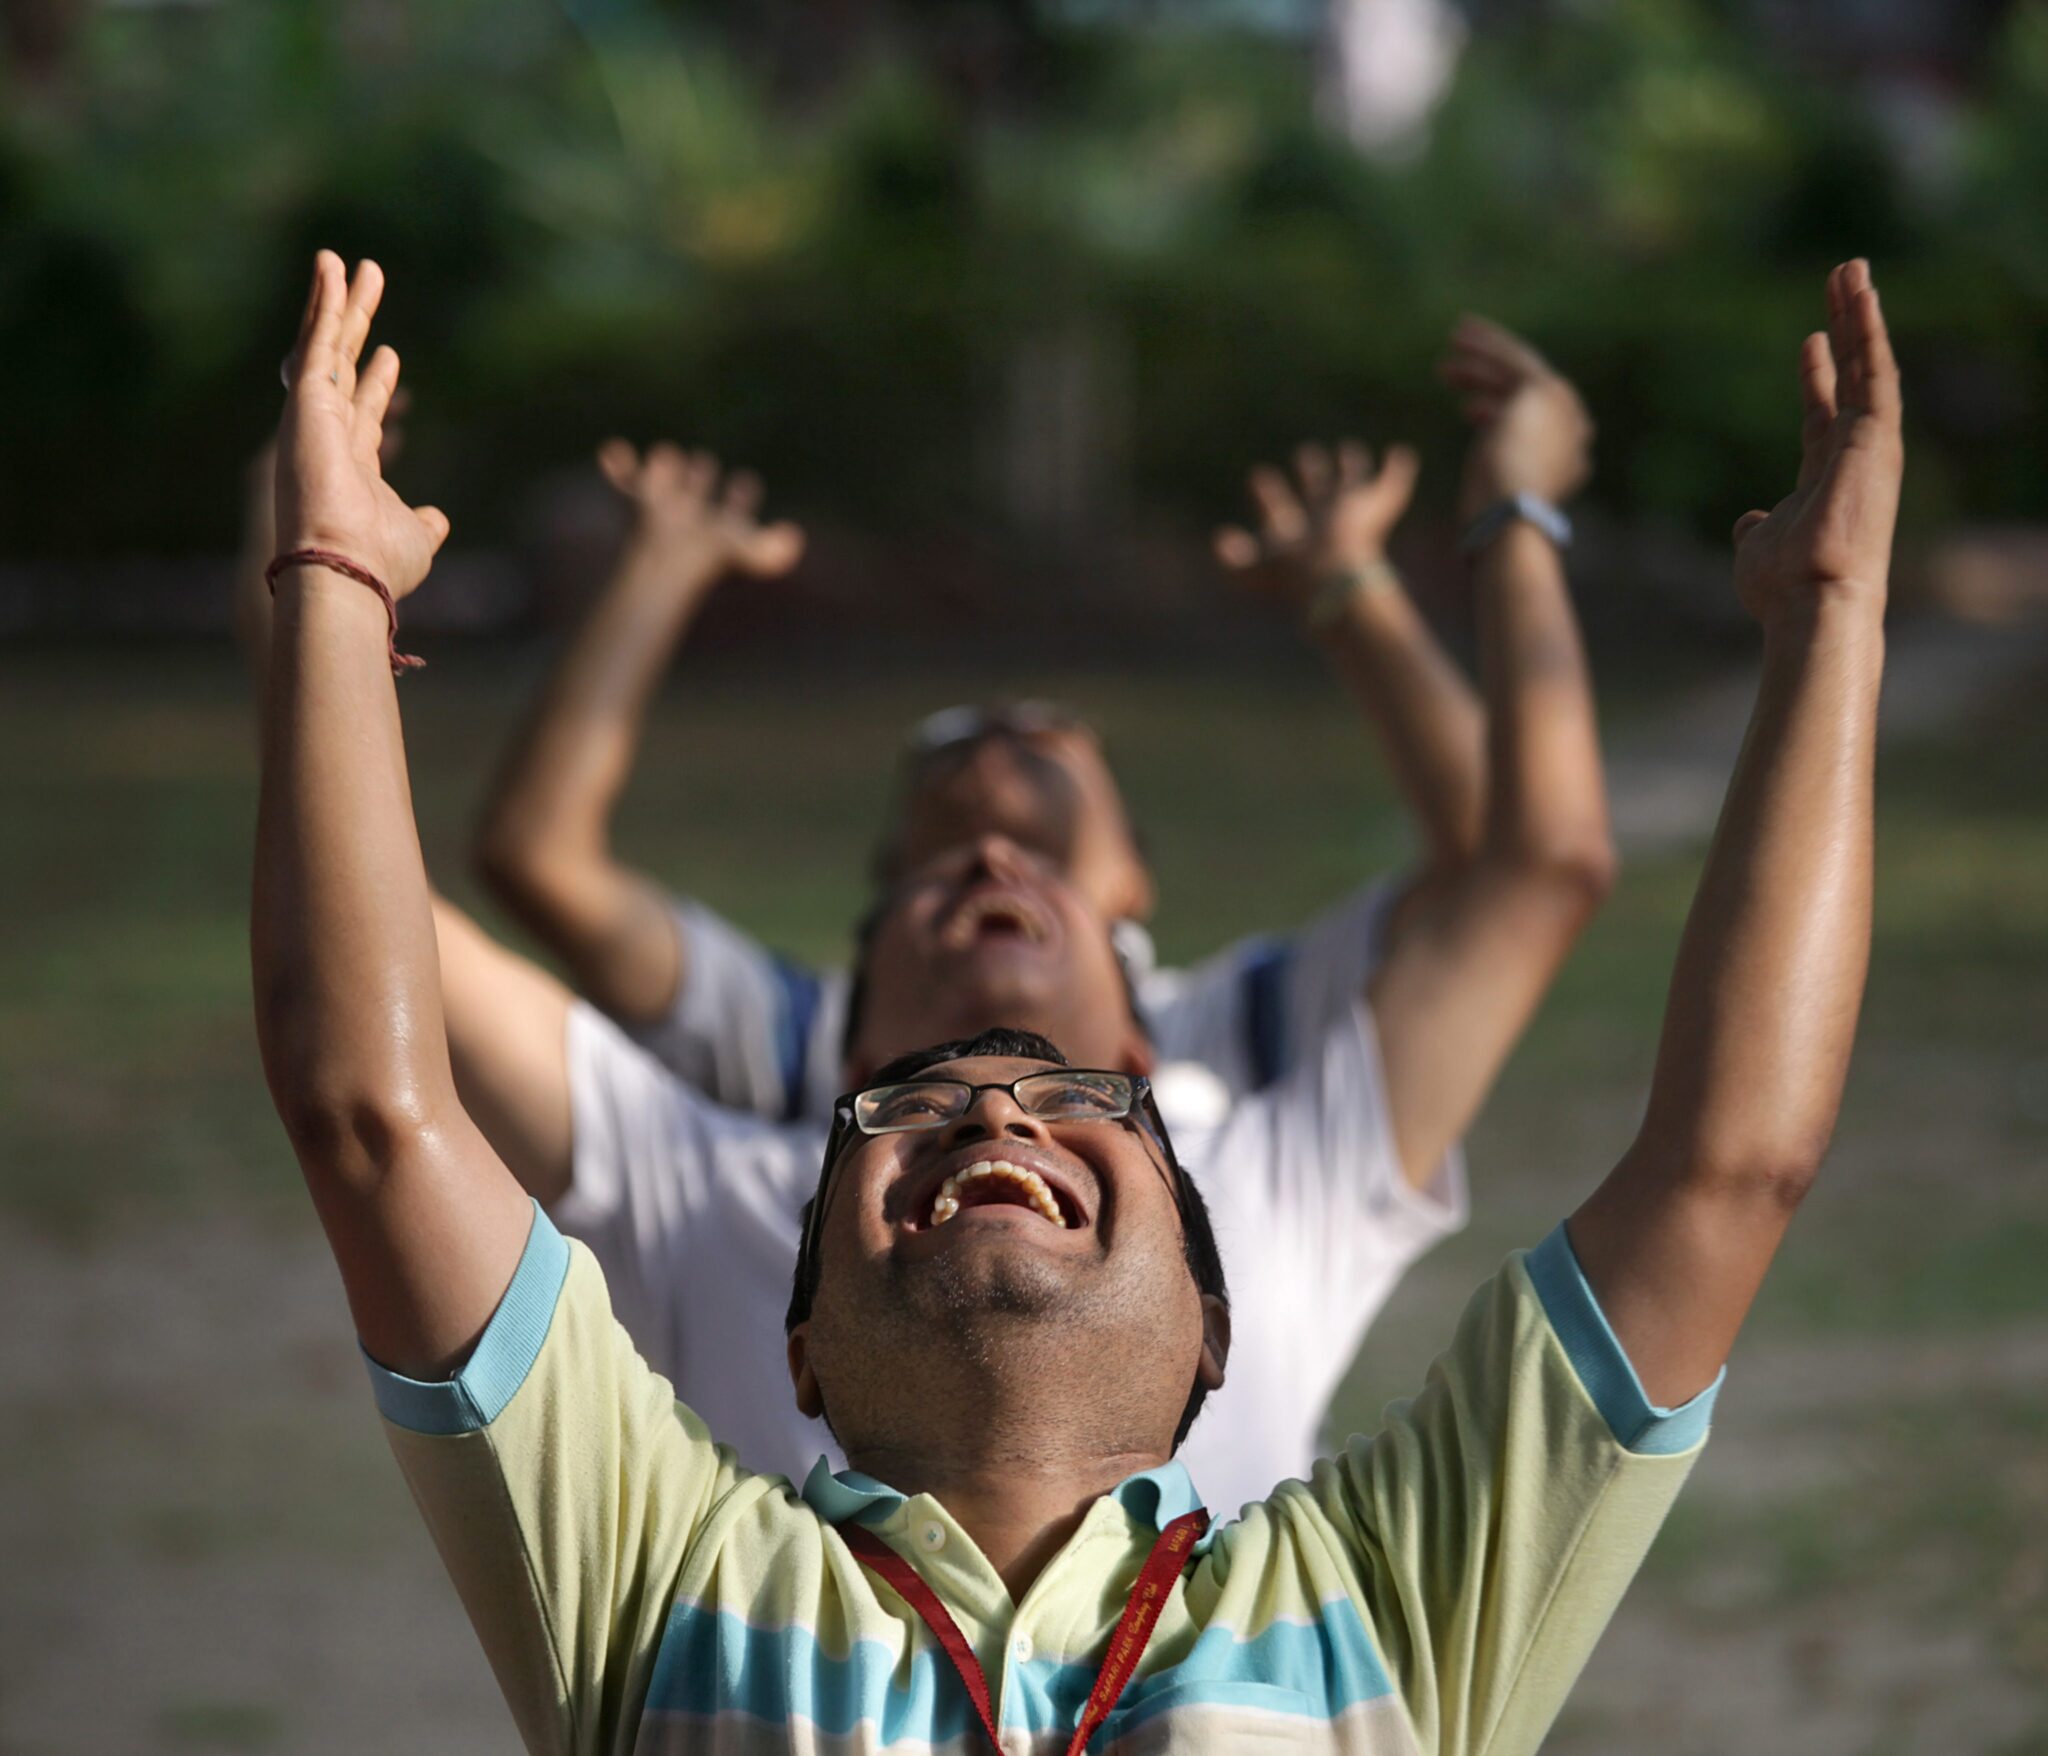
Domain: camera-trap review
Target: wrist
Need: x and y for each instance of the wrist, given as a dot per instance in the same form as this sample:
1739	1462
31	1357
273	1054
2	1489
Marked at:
337	589
1841	611
310	587
648	564
1341	594
1514	509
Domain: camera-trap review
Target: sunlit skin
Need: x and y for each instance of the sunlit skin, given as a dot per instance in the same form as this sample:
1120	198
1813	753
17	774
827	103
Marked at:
1011	1366
992	933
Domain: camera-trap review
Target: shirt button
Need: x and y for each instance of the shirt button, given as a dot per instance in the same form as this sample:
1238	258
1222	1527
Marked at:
1020	1649
933	1537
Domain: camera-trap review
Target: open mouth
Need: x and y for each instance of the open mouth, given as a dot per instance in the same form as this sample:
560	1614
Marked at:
1000	1183
991	915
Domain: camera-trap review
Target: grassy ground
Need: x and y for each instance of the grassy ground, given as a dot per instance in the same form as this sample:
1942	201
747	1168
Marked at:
203	1547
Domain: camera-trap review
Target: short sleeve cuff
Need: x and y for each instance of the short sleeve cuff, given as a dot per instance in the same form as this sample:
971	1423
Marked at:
504	1354
1601	1363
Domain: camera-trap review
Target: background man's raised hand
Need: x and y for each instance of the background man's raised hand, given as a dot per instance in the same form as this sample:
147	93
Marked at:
1330	518
690	530
1532	434
331	491
1832	535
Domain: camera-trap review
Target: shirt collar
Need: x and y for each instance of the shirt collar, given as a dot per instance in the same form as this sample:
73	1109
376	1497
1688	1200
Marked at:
1155	1497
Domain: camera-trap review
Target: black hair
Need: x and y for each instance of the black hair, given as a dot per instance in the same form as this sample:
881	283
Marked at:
1198	1233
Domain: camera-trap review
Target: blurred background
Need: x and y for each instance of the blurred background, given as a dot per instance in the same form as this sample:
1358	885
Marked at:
1002	298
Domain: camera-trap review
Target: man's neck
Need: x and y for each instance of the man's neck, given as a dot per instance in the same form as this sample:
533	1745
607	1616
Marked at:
1019	1506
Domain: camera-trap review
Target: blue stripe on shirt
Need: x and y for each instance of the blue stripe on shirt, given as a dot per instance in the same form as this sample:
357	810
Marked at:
1262	998
503	1355
796	1015
1603	1365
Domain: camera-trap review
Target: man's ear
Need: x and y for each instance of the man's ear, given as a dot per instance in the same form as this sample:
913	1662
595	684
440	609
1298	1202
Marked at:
809	1400
1137	897
1215	1341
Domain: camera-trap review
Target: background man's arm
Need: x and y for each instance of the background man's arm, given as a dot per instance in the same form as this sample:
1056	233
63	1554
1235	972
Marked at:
544	847
1770	972
1469	957
425	1222
1325	532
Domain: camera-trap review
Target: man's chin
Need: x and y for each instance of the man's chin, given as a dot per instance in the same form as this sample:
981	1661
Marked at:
989	1278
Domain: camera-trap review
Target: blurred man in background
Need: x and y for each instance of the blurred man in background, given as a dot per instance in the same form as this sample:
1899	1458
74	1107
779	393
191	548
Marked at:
1333	1170
1327	1179
757	1030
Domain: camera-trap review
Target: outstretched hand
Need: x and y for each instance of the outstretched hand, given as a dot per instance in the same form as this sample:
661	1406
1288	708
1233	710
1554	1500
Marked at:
1332	517
683	522
331	491
1832	535
1531	435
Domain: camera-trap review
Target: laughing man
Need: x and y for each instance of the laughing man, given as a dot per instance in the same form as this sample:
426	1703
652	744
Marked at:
1014	1554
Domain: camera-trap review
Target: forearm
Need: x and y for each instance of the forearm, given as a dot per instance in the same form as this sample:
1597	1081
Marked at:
557	793
1424	712
1467	964
1761	1017
1770	972
1546	808
424	1222
347	980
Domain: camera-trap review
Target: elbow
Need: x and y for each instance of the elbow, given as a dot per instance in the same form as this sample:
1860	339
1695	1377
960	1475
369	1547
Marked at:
345	1137
349	1124
1760	1171
505	861
1575	872
1776	1179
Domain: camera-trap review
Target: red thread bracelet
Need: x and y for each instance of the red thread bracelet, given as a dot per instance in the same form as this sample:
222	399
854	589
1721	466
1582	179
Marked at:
400	662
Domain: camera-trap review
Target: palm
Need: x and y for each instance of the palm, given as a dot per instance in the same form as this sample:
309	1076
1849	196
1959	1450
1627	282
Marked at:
1834	530
682	513
331	491
1333	515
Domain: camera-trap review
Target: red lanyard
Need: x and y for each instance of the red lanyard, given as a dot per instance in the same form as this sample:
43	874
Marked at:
1126	1646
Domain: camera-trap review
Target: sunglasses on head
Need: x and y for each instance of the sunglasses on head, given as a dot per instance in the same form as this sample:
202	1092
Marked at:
952	729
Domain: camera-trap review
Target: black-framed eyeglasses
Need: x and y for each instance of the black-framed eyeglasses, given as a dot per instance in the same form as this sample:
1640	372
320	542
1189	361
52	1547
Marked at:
953	730
1058	1095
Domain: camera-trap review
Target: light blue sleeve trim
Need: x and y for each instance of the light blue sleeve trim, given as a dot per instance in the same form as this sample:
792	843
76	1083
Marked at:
1602	1364
503	1356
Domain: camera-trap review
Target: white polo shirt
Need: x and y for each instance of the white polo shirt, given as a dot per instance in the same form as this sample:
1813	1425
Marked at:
691	1210
762	1032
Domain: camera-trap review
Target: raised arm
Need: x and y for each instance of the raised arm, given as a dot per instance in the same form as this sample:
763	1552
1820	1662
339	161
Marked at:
1770	971
544	847
1321	551
1470	957
426	1223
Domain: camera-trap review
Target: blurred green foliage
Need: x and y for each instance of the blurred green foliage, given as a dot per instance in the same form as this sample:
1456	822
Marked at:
626	220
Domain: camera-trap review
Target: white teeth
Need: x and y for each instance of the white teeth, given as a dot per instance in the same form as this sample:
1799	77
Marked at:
1030	1182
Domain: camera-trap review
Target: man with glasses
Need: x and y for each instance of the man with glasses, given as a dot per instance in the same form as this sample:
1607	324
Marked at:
756	1030
1014	1553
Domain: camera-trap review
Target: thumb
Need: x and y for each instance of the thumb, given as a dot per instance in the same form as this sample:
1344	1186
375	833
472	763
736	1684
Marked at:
1747	523
1396	483
773	550
435	522
1236	548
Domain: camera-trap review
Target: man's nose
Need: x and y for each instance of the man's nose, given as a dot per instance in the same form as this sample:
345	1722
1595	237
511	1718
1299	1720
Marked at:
996	856
995	1114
